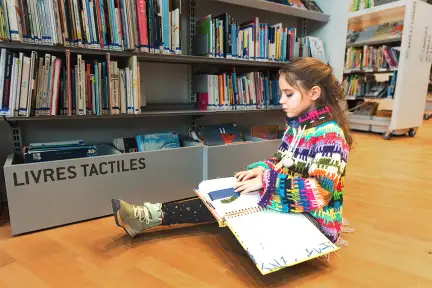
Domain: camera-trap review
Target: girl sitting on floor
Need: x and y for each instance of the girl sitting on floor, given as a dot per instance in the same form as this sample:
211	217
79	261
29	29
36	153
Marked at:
306	175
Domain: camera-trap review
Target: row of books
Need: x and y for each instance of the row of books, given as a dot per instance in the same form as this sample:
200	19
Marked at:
229	91
42	85
361	86
372	58
144	25
223	36
209	135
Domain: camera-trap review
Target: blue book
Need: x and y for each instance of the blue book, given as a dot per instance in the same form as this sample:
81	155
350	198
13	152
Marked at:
90	41
222	194
165	25
157	141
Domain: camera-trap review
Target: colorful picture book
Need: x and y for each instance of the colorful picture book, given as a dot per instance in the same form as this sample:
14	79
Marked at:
259	231
157	141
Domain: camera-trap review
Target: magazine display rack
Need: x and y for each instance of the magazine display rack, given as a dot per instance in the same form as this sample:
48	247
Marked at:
63	192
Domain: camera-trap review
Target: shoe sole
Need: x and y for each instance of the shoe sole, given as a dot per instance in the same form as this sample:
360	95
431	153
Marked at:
116	212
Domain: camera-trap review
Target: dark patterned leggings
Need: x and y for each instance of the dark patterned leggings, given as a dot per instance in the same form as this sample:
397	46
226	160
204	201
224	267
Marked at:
186	211
193	210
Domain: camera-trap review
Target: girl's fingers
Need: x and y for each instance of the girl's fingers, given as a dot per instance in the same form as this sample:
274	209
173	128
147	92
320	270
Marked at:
248	190
240	186
238	173
248	176
244	176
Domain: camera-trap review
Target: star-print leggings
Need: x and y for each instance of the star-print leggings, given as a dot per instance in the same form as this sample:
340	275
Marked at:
190	210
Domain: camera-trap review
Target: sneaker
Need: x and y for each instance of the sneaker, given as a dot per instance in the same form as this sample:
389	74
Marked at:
135	219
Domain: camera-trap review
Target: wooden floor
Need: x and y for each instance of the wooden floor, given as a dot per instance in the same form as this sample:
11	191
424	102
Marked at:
388	201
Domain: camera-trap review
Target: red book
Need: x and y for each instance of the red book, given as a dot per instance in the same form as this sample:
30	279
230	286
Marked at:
202	101
89	92
142	24
99	23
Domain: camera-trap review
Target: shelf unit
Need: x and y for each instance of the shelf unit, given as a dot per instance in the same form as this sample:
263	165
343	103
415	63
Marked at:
280	9
144	57
168	174
408	102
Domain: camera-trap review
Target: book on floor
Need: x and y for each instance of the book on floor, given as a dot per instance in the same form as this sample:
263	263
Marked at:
273	240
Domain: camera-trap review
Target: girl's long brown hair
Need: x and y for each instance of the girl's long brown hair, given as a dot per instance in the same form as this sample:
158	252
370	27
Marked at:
305	73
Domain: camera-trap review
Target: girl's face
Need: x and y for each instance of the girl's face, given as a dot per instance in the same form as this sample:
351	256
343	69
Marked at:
293	101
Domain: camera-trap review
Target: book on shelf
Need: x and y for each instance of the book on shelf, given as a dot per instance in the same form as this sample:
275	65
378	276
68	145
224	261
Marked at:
366	86
232	91
371	58
382	32
142	25
220	134
157	141
223	36
269	132
125	145
34	84
63	150
256	228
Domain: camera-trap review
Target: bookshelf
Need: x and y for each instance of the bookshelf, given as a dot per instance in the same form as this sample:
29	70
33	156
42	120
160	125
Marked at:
169	103
391	92
143	57
280	9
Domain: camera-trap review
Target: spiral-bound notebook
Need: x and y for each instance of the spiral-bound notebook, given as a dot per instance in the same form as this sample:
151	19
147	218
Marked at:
273	240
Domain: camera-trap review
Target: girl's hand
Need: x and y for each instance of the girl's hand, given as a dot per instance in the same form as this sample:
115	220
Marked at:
249	174
249	185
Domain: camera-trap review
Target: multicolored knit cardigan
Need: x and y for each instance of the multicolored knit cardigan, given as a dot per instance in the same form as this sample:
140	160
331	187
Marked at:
315	183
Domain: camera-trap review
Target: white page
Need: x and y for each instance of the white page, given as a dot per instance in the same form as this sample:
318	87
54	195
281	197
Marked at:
276	239
249	200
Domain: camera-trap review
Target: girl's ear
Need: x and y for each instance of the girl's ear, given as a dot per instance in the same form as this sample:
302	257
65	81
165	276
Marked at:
315	93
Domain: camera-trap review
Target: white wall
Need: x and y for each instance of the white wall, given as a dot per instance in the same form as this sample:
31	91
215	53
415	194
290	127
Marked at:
333	34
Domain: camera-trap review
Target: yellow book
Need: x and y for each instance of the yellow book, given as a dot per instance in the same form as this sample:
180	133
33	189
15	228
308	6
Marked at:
277	54
273	240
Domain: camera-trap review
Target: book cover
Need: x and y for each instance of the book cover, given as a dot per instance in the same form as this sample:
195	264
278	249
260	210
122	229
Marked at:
157	141
220	134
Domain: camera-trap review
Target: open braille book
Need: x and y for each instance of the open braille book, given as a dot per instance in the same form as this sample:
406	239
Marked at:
259	229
